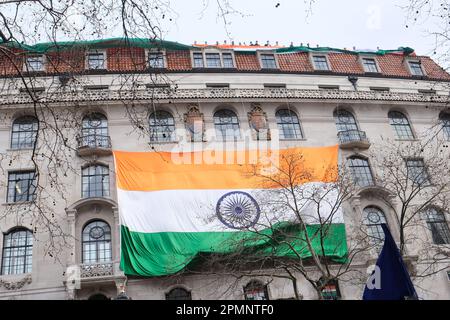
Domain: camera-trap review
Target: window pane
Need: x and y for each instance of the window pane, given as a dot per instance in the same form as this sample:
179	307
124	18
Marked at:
416	171
255	290
96	61
17	252
320	63
198	60
94	131
213	60
361	172
95	181
268	61
227	60
344	121
162	127
373	218
21	186
96	242
438	226
401	125
370	65
24	132
227	125
445	120
178	294
35	63
156	60
416	68
288	124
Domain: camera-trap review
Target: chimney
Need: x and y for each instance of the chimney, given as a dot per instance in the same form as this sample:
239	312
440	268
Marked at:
276	43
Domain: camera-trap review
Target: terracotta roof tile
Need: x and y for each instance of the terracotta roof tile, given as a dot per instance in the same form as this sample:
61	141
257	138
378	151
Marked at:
178	60
295	62
246	61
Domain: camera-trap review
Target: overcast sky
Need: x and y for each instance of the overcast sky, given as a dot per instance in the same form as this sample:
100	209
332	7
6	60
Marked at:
345	23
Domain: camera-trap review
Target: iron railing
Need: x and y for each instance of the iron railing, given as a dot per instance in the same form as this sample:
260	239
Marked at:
94	141
349	136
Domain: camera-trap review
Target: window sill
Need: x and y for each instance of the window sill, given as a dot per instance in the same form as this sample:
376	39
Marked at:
293	139
8	204
19	149
163	142
411	140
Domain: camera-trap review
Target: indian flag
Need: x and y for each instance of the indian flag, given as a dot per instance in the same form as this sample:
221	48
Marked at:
171	210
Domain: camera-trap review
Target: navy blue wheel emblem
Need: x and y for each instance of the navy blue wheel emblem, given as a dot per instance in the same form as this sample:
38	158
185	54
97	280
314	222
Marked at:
238	210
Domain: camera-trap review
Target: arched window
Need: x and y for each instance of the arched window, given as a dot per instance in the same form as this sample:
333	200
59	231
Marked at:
227	125
98	296
401	125
288	124
162	126
24	131
178	294
255	290
17	252
345	121
438	226
360	170
445	120
94	131
373	217
95	181
96	242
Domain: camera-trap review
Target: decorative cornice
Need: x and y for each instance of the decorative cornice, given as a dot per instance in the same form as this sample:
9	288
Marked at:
220	93
16	285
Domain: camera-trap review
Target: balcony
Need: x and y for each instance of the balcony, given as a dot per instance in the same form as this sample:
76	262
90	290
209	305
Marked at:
94	144
101	272
351	139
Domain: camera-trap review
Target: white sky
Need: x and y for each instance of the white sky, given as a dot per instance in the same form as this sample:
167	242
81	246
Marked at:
344	23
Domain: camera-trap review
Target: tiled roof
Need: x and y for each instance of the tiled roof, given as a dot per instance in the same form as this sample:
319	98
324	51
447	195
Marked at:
391	63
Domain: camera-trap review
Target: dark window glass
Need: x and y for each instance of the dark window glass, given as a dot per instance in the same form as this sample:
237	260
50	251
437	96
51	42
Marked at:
24	132
344	121
178	294
227	125
96	60
288	124
268	61
156	60
17	252
416	171
162	126
369	65
96	242
330	291
373	217
361	173
94	131
416	68
21	186
95	181
35	63
320	63
255	290
445	120
401	125
438	226
227	60
198	60
213	60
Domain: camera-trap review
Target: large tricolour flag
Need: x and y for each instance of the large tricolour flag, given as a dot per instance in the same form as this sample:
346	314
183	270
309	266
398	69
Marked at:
170	210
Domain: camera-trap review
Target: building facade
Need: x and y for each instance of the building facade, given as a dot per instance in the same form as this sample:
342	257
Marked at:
297	96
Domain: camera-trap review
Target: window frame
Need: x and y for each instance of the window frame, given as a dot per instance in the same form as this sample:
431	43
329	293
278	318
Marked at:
263	287
204	53
410	69
31	183
43	61
148	52
443	221
105	59
377	67
171	138
313	62
342	124
394	126
263	53
188	293
97	242
369	225
238	123
300	129
28	264
424	174
92	192
445	123
14	132
359	157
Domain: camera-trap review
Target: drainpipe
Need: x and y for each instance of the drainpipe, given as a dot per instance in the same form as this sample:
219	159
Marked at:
353	80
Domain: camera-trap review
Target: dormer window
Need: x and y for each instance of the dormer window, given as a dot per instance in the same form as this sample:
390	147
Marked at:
96	60
212	59
268	61
416	68
34	63
370	65
156	60
321	63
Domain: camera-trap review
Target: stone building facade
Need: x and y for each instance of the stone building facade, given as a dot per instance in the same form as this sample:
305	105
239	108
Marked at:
328	96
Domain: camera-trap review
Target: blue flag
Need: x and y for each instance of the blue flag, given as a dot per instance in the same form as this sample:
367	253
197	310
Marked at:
390	279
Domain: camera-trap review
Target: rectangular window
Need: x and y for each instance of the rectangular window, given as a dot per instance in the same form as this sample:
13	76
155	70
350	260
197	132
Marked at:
275	85
427	92
156	60
198	60
369	65
96	60
328	87
217	85
21	186
227	60
35	63
416	68
268	61
379	89
213	60
320	63
417	172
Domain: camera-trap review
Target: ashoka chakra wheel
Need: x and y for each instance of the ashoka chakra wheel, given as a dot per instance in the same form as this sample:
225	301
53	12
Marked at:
237	210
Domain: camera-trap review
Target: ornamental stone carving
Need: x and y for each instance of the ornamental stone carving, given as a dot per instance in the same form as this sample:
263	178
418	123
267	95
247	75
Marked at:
97	270
194	123
258	123
15	285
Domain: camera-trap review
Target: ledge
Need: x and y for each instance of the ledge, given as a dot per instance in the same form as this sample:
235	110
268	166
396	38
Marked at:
222	93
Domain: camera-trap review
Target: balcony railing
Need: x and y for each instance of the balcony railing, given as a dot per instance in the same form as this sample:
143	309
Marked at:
353	139
94	144
94	270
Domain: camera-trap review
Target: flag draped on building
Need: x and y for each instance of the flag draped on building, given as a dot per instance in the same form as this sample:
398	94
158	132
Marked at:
172	210
390	280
